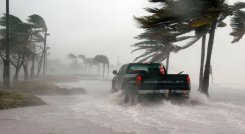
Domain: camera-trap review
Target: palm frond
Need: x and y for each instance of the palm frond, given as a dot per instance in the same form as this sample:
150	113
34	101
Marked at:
159	57
238	25
71	56
146	53
148	43
147	57
239	5
193	41
37	21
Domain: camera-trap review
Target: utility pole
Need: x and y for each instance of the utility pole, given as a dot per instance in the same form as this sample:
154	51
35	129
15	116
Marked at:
7	64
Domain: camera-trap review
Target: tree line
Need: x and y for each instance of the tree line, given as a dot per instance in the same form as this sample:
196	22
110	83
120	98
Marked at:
98	60
187	20
27	46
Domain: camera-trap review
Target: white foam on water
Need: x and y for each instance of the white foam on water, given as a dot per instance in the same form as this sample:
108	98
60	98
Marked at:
197	115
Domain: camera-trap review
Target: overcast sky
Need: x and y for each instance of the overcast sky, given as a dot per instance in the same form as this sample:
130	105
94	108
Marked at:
92	27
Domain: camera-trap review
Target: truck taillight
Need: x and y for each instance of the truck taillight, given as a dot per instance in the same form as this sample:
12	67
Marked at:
188	80
138	80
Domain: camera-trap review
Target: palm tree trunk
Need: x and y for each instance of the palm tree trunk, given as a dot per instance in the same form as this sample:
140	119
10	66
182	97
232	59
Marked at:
167	62
45	53
18	67
26	73
208	60
33	62
108	71
103	70
40	64
202	62
33	66
98	68
16	75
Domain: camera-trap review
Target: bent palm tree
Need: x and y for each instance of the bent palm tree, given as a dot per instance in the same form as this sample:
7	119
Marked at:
73	58
102	59
185	16
39	23
19	37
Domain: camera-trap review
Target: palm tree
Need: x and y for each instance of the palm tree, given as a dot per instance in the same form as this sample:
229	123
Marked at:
39	23
91	62
73	58
225	11
36	38
102	59
85	63
181	17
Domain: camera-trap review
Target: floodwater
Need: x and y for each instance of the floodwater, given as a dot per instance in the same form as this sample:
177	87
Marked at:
101	112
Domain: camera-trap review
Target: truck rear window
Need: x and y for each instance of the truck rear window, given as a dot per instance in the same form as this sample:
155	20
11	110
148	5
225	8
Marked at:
146	68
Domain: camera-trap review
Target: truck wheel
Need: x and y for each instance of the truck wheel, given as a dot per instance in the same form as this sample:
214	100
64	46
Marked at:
131	97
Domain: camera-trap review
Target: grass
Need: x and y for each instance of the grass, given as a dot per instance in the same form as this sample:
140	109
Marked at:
23	93
41	87
11	99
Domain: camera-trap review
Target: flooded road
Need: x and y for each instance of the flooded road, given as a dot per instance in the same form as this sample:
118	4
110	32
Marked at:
100	112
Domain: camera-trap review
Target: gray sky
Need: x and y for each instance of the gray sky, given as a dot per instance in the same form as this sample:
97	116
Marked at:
92	27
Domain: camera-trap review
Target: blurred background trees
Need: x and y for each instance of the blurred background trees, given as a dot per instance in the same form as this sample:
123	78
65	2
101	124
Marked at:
27	39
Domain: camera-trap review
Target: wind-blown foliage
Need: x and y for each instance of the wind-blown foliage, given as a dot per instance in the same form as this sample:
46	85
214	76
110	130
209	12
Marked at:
22	39
238	25
37	21
174	19
102	59
73	58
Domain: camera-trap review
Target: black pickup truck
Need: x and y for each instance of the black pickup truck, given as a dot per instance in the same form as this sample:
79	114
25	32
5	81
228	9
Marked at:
150	78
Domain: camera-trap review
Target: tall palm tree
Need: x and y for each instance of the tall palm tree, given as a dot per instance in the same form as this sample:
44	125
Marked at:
102	59
39	23
73	58
185	16
36	38
225	11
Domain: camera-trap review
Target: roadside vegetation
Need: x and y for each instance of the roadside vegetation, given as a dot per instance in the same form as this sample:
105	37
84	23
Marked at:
13	99
43	87
25	93
28	51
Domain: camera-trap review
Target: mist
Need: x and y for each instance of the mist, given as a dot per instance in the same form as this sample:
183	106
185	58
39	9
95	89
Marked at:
94	27
78	92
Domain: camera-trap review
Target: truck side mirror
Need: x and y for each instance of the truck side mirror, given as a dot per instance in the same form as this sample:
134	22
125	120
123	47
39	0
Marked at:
114	72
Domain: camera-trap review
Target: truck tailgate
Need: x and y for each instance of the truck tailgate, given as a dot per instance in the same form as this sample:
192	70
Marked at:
169	81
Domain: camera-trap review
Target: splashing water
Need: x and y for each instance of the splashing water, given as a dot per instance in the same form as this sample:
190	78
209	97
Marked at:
197	115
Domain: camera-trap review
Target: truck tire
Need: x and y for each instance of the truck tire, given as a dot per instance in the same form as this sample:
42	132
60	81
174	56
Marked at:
131	97
127	94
